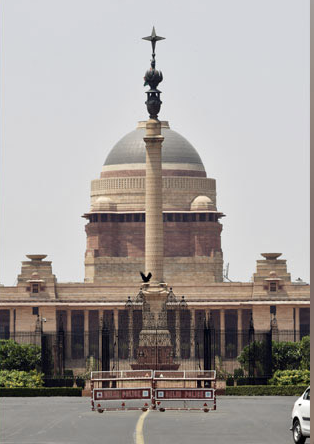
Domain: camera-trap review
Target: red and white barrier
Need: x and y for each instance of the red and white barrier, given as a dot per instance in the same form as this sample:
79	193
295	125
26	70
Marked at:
163	390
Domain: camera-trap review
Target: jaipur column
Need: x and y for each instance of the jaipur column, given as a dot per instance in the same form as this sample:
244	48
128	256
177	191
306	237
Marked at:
154	245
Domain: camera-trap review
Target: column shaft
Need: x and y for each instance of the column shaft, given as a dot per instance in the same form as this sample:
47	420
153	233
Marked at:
222	332
240	333
297	323
86	334
68	335
116	332
154	249
192	333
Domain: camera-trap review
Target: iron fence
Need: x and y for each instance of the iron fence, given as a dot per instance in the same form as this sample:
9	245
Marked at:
200	348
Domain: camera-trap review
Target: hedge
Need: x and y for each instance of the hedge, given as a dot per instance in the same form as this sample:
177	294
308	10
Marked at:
18	379
266	390
42	391
291	377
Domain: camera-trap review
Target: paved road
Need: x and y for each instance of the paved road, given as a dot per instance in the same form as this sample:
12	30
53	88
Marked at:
241	420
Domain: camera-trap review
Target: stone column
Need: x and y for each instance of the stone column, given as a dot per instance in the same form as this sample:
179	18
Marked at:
222	332
116	331
240	332
86	334
207	314
177	324
297	323
100	322
192	333
131	336
12	311
68	335
154	248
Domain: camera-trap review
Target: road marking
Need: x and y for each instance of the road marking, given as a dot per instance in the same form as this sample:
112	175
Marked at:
139	438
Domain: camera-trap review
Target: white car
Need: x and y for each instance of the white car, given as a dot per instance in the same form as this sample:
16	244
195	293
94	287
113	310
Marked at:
301	418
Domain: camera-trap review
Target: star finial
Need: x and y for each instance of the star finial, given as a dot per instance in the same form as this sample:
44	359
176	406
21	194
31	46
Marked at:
153	38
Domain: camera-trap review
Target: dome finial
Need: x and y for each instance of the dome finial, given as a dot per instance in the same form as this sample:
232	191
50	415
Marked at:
152	78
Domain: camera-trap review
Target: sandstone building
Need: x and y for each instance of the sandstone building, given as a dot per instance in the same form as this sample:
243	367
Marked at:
193	258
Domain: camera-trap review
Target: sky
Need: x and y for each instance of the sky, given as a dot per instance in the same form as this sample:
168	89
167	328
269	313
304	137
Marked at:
236	85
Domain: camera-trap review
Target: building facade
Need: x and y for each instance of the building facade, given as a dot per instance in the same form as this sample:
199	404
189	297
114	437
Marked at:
193	260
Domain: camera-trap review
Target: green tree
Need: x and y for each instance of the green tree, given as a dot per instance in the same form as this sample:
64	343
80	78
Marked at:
255	352
23	357
305	353
285	355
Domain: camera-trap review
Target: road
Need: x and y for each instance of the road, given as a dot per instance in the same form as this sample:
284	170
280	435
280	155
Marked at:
238	420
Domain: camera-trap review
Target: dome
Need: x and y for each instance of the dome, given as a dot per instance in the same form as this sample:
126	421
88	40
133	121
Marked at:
103	203
177	152
202	203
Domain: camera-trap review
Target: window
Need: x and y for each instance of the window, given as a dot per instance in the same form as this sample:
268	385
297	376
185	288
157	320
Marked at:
273	286
128	217
307	395
177	217
103	217
185	333
273	309
304	321
123	338
202	217
185	217
93	336
231	333
193	217
35	288
4	324
121	217
169	217
77	334
61	316
136	217
137	327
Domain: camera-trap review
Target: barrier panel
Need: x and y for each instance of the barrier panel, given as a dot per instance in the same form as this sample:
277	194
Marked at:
121	390
195	389
163	390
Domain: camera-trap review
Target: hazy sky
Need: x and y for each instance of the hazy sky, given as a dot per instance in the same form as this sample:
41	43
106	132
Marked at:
236	85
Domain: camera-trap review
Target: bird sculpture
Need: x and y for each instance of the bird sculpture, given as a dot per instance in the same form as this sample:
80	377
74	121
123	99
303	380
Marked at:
146	278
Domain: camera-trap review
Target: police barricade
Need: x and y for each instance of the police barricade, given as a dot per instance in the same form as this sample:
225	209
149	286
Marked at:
184	390
121	390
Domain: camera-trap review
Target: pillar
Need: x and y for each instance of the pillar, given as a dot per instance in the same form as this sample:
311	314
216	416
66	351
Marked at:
131	336
154	248
86	334
192	334
68	334
222	332
178	339
297	323
116	331
12	326
100	322
240	331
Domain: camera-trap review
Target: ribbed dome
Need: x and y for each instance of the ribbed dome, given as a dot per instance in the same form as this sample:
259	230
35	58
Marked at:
175	149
